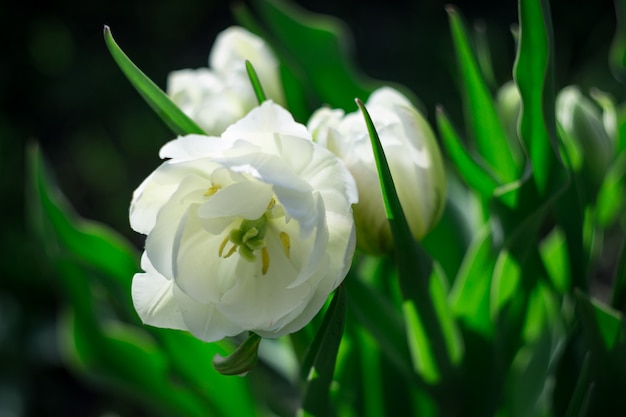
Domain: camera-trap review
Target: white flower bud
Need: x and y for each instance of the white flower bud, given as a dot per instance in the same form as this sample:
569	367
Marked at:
413	156
218	96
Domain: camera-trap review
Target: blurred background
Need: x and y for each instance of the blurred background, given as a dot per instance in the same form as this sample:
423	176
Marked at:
60	88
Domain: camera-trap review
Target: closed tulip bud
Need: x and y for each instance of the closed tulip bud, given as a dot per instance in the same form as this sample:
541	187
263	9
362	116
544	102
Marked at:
590	148
413	156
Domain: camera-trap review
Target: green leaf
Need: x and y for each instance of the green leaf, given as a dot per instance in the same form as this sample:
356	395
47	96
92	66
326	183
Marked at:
314	48
470	294
611	198
384	322
553	251
618	299
483	54
88	243
480	110
534	76
579	402
604	331
165	108
127	361
434	341
242	360
256	83
529	380
474	174
319	365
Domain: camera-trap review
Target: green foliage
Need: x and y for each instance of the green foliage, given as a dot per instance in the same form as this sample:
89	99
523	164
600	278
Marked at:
507	325
169	112
106	344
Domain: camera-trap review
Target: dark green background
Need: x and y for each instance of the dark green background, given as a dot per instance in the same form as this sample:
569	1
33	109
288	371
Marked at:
59	87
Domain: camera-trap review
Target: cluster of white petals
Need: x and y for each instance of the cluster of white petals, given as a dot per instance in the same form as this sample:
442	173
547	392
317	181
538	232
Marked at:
414	160
218	96
250	231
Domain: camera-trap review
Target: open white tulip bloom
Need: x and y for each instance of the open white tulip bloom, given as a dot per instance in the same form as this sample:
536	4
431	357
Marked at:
413	156
218	96
247	232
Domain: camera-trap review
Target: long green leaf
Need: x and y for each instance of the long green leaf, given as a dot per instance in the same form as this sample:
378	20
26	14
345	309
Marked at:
169	112
480	109
88	243
320	362
433	338
316	46
534	75
82	251
470	294
384	322
471	171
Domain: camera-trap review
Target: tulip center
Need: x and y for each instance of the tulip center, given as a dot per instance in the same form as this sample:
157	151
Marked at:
249	238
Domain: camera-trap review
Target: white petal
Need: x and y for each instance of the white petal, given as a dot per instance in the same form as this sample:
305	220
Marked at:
259	300
154	300
263	124
387	97
203	320
248	200
312	307
161	240
191	147
153	193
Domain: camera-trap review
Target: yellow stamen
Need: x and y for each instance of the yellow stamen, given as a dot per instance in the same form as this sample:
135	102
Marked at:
286	241
231	251
271	204
223	245
265	260
212	190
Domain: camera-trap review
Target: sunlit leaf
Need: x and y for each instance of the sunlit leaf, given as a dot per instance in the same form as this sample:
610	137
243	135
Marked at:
165	108
434	341
480	111
319	365
553	251
611	198
534	75
384	322
475	175
470	294
528	385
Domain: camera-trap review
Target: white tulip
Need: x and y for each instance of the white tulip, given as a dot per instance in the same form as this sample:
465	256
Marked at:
247	232
413	156
218	96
